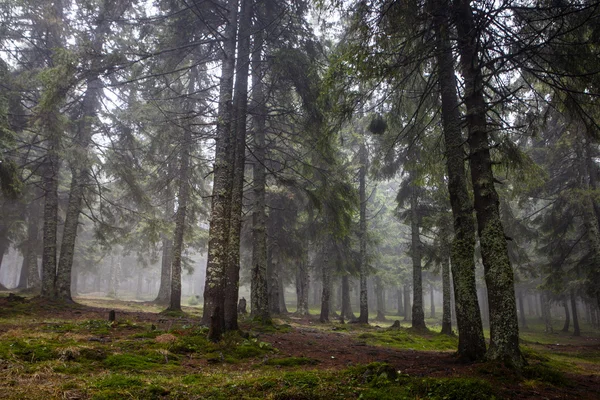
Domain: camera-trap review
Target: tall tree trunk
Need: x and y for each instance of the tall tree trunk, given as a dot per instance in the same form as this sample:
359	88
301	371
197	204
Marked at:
53	98
567	316
546	313
346	311
522	319
183	194
282	306
232	271
164	290
380	301
418	314
259	298
400	302
302	288
363	318
504	327
573	298
326	270
446	298
407	307
273	281
218	235
80	167
471	344
431	301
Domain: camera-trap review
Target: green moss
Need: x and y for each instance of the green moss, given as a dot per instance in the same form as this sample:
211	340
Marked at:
30	350
409	339
452	389
133	362
544	373
119	381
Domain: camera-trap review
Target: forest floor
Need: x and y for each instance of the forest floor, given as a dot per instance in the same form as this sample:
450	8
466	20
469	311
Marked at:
50	351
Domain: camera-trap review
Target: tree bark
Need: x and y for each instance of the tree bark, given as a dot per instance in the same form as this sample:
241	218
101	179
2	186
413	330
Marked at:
326	270
183	194
346	311
363	317
567	316
164	290
547	317
573	298
446	298
380	301
471	344
522	319
259	298
218	236
418	314
431	301
232	269
407	307
302	288
400	303
504	327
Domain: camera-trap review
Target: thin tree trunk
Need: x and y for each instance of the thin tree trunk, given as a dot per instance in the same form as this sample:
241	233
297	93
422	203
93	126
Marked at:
522	319
302	288
164	290
432	301
273	281
363	318
418	314
326	269
504	327
546	313
379	297
218	236
446	298
346	312
400	302
407	306
471	344
232	269
183	195
282	305
259	297
567	316
576	331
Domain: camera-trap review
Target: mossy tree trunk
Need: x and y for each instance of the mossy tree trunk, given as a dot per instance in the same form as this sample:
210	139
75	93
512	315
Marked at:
446	298
471	344
418	313
259	291
232	272
218	236
186	146
504	327
363	317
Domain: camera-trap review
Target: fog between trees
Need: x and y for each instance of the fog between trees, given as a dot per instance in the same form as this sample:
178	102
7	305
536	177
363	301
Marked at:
426	159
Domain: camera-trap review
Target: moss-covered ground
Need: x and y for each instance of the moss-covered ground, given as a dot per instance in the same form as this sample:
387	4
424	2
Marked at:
54	351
